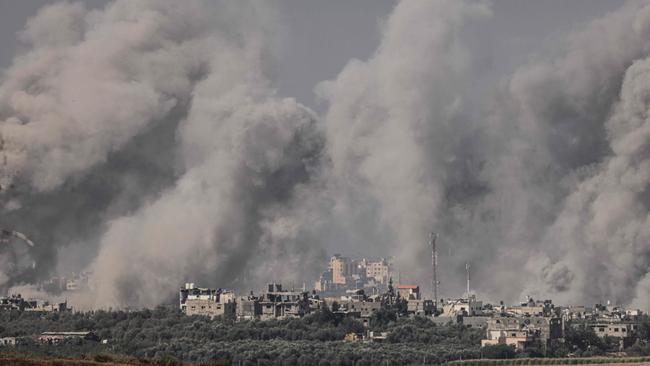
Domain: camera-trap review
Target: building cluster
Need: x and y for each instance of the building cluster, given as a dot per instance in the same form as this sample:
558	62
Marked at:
70	283
276	302
344	273
279	303
521	326
18	303
538	322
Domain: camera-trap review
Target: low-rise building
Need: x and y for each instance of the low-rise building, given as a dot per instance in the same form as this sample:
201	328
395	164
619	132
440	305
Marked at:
519	339
17	302
465	307
419	307
58	337
520	331
409	292
7	341
618	330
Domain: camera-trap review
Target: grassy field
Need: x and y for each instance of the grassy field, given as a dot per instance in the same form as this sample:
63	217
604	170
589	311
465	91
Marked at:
96	360
627	361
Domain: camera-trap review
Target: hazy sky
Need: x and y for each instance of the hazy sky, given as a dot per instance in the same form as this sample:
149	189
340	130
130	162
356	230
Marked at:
322	36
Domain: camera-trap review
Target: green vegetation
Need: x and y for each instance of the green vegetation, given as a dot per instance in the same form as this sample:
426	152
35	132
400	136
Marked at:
316	339
148	336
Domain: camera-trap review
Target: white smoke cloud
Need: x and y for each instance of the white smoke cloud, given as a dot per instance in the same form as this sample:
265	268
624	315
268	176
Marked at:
492	181
544	188
94	80
396	121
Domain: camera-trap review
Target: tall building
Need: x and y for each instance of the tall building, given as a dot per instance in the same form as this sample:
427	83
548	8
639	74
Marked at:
340	267
378	270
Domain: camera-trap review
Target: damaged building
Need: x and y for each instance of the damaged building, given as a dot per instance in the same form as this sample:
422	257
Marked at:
207	302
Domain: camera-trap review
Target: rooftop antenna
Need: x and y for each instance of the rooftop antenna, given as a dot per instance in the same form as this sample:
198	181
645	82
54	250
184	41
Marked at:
467	270
434	265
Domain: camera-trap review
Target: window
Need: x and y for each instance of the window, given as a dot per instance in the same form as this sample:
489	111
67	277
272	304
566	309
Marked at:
616	329
601	329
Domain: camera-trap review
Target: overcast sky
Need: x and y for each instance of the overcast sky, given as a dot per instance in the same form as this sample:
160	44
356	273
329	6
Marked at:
323	36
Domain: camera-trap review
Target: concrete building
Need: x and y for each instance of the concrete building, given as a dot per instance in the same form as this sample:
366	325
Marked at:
409	292
340	267
420	307
378	270
18	303
521	331
618	330
210	308
532	308
206	302
7	341
512	337
279	303
248	308
58	337
463	307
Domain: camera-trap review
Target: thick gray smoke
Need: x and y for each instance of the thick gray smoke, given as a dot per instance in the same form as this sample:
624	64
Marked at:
500	183
95	82
147	138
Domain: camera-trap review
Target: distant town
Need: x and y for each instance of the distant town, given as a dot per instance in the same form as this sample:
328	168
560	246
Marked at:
360	289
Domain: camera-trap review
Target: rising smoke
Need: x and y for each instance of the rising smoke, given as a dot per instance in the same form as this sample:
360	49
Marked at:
147	137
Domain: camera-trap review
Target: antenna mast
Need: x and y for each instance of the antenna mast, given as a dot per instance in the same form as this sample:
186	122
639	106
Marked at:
467	269
434	264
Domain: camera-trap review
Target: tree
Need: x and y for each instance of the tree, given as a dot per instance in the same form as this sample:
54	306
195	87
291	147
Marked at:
499	351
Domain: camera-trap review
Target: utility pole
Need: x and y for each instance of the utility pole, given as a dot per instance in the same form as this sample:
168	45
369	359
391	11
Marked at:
434	265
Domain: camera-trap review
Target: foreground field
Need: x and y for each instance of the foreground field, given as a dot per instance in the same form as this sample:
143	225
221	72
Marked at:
105	360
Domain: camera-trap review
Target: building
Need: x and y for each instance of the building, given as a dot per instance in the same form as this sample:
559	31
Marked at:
532	308
18	303
279	303
248	308
58	337
519	339
618	330
409	292
7	341
340	268
378	270
420	307
346	273
47	307
463	307
206	301
521	331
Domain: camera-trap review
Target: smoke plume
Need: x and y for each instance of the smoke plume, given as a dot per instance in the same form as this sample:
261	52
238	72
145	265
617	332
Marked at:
147	139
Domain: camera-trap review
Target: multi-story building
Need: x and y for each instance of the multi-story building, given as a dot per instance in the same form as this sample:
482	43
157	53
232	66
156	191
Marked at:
378	270
248	308
279	303
344	272
206	301
340	268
